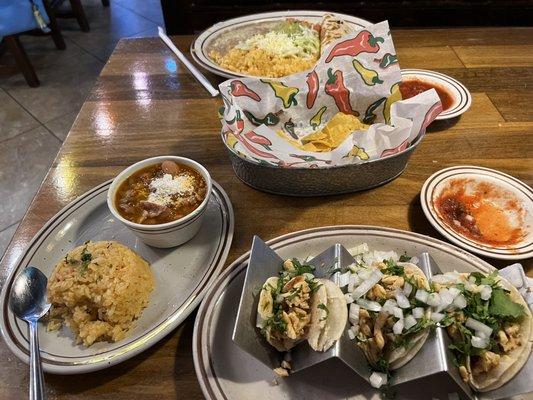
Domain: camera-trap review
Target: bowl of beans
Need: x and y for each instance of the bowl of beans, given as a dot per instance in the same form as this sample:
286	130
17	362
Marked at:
161	199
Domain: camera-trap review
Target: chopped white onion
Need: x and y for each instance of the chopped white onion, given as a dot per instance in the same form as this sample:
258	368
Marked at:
397	328
367	284
485	292
351	335
344	279
364	273
308	276
436	317
389	306
348	297
460	302
280	298
397	312
414	260
402	299
454	291
478	326
422	295
355	329
472	279
369	305
433	300
479	342
355	280
378	379
409	322
418	312
407	288
353	313
446	298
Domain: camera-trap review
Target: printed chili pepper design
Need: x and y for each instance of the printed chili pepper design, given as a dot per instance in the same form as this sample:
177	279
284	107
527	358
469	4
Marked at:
286	94
240	89
269	119
357	152
289	127
221	112
387	60
239	122
370	116
431	114
227	102
389	152
369	76
395	95
313	86
308	158
316	120
258	139
364	42
335	88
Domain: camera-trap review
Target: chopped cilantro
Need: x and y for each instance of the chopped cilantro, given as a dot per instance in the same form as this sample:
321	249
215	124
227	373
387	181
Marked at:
405	258
382	365
502	306
313	284
302	268
446	321
392	268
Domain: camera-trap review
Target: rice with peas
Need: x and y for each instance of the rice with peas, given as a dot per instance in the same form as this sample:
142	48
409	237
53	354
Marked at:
98	290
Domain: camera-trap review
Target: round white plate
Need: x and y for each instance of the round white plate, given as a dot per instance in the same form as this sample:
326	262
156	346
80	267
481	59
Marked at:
227	34
183	275
225	371
517	190
461	95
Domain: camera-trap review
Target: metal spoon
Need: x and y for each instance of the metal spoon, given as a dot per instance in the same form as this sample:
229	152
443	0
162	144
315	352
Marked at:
27	301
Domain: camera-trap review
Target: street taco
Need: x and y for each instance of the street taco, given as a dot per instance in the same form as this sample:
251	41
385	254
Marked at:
389	324
490	326
296	306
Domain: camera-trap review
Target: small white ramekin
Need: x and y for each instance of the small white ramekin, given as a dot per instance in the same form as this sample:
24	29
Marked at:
172	233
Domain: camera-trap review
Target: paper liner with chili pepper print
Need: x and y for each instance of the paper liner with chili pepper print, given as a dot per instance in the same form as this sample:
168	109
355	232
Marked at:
357	74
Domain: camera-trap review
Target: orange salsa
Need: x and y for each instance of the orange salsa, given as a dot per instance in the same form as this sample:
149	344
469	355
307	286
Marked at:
160	193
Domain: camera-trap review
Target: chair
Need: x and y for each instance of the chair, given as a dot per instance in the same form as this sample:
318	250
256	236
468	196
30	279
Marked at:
16	18
76	11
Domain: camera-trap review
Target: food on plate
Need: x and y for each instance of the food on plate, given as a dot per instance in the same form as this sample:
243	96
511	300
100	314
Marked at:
331	29
295	306
291	46
481	211
489	323
410	87
389	322
330	136
98	290
160	193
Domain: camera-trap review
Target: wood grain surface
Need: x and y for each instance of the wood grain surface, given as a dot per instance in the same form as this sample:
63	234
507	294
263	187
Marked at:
146	104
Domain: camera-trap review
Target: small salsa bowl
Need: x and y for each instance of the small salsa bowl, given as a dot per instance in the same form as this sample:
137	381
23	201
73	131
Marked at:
172	233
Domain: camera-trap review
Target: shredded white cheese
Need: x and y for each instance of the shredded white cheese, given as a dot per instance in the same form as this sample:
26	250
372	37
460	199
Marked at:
165	188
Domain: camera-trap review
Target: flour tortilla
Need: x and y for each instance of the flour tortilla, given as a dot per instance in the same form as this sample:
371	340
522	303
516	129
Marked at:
331	29
510	364
327	324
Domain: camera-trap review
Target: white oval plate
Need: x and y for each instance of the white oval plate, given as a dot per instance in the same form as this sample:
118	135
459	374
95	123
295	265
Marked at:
520	191
235	29
183	275
225	371
461	95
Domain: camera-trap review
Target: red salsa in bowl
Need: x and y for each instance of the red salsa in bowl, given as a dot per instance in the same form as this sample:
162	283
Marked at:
414	86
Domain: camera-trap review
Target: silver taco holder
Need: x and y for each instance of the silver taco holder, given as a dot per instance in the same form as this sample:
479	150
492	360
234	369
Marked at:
430	374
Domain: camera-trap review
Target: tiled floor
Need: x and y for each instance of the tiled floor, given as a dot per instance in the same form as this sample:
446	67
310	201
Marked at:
34	121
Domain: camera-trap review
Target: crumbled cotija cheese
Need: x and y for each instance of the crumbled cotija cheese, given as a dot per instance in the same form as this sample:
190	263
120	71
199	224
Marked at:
163	189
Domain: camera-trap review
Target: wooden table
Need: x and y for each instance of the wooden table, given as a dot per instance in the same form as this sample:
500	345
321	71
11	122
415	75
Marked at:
146	104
